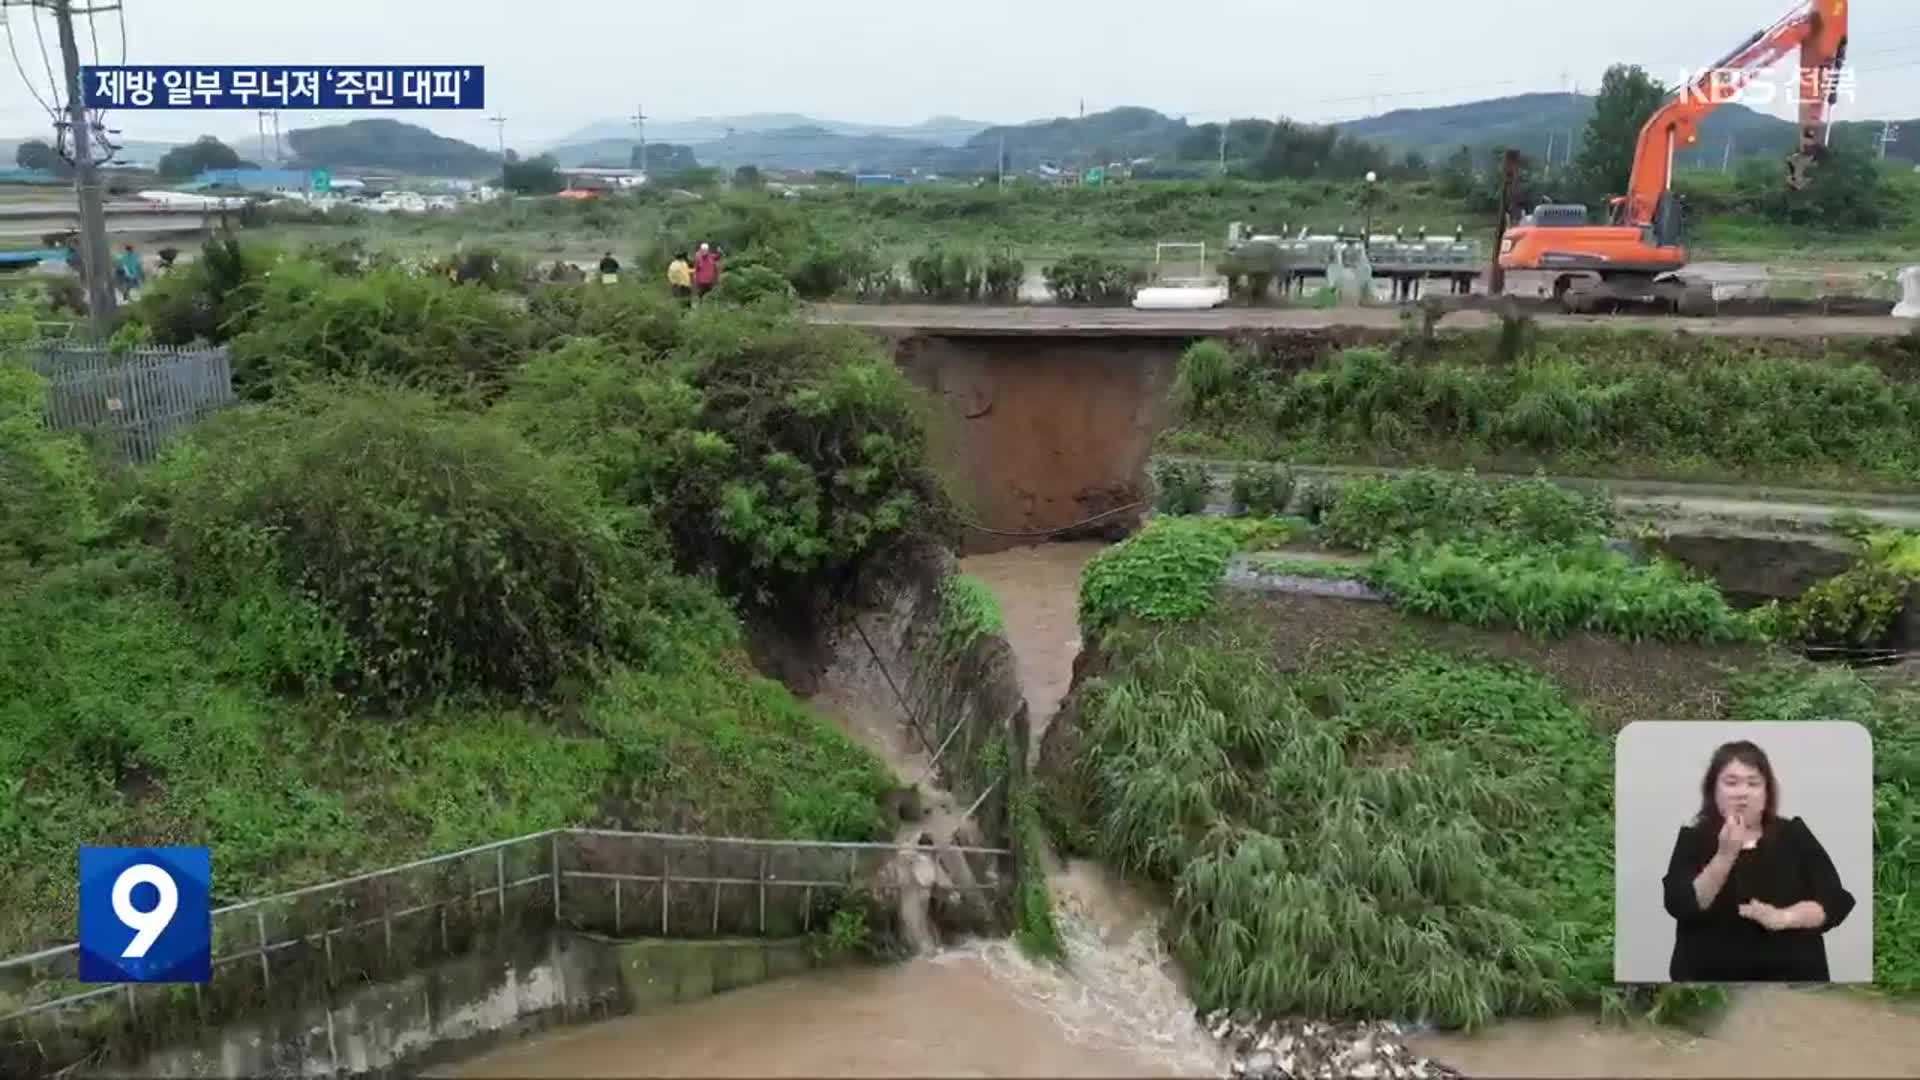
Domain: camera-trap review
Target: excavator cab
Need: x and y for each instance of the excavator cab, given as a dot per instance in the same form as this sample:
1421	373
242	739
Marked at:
1669	221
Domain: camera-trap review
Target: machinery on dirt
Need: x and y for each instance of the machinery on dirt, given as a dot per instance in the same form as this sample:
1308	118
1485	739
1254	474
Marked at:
1636	258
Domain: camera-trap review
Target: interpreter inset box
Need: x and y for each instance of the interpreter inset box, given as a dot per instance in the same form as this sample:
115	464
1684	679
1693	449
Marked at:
1743	852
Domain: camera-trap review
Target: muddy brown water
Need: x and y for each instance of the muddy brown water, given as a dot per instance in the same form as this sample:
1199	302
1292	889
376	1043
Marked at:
981	1009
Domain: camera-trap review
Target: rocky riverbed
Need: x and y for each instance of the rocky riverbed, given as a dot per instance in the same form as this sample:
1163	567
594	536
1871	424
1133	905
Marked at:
1319	1050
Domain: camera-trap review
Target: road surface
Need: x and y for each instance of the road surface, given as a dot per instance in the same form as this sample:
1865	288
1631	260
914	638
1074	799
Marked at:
1126	322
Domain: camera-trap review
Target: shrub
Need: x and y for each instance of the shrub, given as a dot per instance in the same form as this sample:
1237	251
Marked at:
940	274
1368	512
1206	379
624	316
378	542
827	267
1001	277
47	482
1263	490
1553	591
205	300
777	455
753	283
425	331
1855	608
1092	279
1169	572
1181	487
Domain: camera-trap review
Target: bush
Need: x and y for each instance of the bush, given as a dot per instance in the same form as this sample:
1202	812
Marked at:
1263	490
939	274
205	300
47	484
1554	591
1001	277
753	283
1207	378
779	456
1181	487
828	267
624	316
1092	279
382	544
1368	512
1855	608
425	331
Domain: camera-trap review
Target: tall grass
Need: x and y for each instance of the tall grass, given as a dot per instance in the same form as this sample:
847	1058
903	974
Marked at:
1717	413
1364	840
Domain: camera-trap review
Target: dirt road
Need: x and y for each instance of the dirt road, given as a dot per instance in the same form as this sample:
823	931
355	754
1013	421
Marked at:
1126	322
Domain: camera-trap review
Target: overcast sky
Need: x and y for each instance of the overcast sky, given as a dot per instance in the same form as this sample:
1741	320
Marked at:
553	67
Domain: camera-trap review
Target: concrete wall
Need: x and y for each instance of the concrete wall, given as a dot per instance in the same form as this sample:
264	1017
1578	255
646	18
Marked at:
462	1006
1036	433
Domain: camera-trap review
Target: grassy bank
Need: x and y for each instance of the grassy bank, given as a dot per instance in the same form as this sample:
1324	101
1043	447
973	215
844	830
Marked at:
466	565
1366	813
1606	404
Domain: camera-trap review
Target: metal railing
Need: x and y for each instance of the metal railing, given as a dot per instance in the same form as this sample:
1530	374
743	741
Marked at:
389	921
138	399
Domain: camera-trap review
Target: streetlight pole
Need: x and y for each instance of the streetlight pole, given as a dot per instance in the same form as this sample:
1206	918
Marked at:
1366	203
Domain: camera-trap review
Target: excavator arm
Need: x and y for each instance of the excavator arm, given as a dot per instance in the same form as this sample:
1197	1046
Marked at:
1818	30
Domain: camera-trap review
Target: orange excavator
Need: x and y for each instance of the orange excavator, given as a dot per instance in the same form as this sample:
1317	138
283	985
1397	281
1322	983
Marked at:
1635	259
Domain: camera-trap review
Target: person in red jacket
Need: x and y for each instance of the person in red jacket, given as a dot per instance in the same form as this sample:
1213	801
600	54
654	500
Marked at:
706	271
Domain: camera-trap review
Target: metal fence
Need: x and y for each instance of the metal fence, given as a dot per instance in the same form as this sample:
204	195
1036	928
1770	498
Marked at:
284	948
137	399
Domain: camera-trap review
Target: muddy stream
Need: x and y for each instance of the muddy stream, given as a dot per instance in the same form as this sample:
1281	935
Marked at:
981	1009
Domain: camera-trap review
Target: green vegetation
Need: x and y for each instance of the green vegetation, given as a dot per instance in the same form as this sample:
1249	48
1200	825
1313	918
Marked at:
1369	512
1551	591
470	582
1405	827
1618	404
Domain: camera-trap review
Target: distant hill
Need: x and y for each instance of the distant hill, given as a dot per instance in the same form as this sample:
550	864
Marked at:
388	145
1529	121
618	153
937	131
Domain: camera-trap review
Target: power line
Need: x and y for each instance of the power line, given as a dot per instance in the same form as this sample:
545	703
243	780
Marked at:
52	110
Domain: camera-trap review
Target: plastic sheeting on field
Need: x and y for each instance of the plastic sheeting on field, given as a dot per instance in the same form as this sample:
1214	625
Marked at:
1909	305
1174	298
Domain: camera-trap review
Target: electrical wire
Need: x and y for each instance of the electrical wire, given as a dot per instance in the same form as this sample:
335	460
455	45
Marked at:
1062	529
53	85
22	68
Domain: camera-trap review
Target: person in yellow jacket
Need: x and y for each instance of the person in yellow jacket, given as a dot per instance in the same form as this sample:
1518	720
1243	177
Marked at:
680	277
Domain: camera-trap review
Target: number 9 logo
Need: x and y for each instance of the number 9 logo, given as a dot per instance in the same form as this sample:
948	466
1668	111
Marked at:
148	925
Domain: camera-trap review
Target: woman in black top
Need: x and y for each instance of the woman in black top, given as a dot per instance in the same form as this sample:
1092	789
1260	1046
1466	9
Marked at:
1751	894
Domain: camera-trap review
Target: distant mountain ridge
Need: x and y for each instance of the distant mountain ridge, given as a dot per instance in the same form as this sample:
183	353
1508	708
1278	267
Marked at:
1532	123
938	130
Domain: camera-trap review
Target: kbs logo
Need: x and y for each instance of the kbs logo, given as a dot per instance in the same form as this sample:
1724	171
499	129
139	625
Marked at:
145	915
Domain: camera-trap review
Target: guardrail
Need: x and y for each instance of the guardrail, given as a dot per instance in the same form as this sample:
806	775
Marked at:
378	925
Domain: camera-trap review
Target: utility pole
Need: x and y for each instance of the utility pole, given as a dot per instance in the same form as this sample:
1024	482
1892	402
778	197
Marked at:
1509	179
500	133
640	123
86	178
260	126
1003	159
1549	169
278	154
1726	160
1223	148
